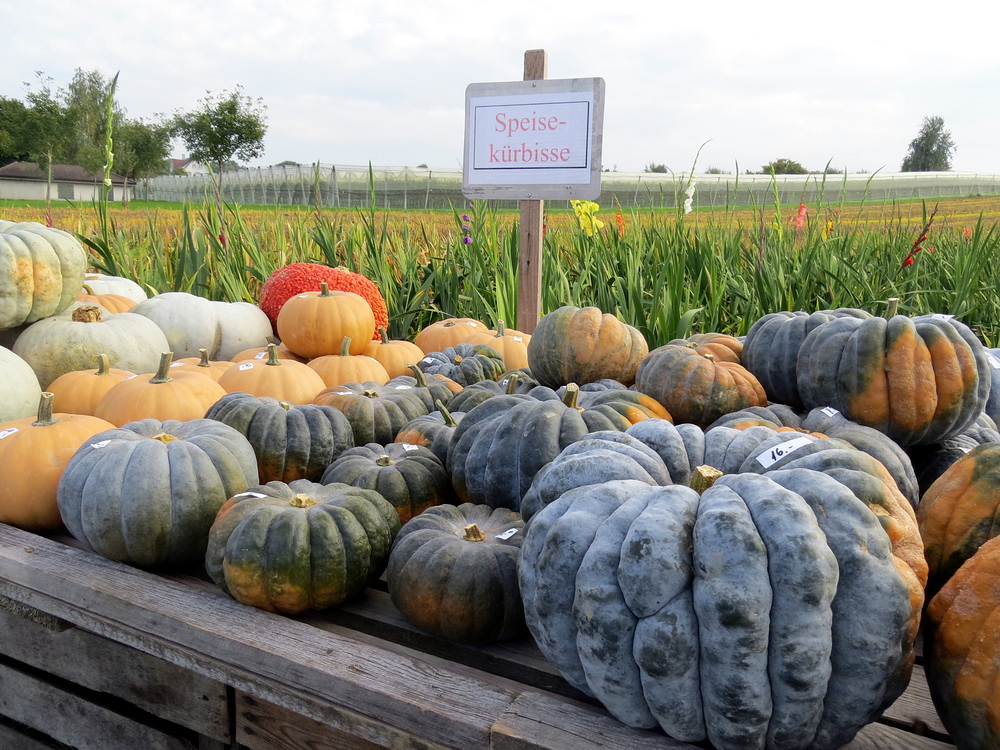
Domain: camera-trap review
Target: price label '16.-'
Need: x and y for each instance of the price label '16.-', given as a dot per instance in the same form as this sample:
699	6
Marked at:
777	452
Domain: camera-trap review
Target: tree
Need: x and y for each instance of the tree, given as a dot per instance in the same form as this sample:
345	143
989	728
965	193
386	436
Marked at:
654	167
931	150
784	166
85	100
16	133
226	126
141	150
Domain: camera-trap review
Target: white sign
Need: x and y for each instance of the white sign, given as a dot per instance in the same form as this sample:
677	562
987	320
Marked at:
534	140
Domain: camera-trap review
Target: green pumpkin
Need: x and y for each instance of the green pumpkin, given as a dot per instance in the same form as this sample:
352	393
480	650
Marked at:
453	573
147	493
465	363
376	412
300	546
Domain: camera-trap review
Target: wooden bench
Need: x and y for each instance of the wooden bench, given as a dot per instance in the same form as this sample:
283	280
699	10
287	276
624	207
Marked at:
96	654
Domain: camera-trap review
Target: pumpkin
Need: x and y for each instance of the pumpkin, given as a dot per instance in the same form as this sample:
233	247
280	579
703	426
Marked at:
147	493
261	352
464	363
697	388
410	477
345	367
163	395
191	323
960	512
962	645
919	380
723	347
512	345
376	412
100	283
290	441
395	356
453	573
931	461
697	614
282	379
80	391
312	324
34	452
296	278
21	388
771	349
56	346
113	303
299	546
583	345
450	332
202	364
428	388
41	272
433	431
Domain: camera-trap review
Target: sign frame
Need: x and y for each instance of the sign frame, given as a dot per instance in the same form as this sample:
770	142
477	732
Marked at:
538	181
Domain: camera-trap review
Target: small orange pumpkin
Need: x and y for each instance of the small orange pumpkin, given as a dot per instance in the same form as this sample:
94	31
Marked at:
113	303
396	356
513	345
439	336
260	352
79	391
201	363
345	367
282	379
312	324
33	454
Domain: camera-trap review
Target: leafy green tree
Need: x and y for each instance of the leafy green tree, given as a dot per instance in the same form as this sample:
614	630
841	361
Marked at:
654	167
783	166
141	150
931	150
16	133
85	100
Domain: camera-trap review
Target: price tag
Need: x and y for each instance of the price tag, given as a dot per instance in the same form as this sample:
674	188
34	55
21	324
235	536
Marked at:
472	323
100	444
131	376
8	432
517	338
507	534
830	411
250	494
428	360
303	296
403	387
994	362
246	366
343	393
260	355
966	450
941	316
177	364
770	457
410	447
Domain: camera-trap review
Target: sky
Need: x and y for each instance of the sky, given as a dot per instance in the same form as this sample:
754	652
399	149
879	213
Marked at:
348	83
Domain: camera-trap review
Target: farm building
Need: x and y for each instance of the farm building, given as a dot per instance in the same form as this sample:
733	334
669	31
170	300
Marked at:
26	181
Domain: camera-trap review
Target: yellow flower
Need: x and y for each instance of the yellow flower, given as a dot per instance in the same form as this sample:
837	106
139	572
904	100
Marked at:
585	211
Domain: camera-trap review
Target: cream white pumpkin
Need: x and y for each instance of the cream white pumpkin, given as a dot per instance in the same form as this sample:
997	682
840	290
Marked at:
21	391
100	283
41	271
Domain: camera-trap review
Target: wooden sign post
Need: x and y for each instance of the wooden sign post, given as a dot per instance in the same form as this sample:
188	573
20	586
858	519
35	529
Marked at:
529	290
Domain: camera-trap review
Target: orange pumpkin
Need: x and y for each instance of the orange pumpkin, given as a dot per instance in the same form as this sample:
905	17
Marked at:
201	363
282	379
439	336
260	352
345	367
79	391
396	356
161	395
513	345
33	454
113	303
312	324
723	347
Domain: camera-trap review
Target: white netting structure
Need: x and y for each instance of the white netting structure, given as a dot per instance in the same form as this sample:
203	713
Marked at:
345	186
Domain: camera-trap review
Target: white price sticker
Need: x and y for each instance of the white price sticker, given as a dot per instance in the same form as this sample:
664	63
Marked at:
246	366
517	338
250	494
994	362
427	359
100	444
472	323
941	316
507	534
776	453
177	364
830	411
403	387
8	432
409	447
260	355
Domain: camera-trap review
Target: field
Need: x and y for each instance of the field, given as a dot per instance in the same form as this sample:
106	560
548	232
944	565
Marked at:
668	273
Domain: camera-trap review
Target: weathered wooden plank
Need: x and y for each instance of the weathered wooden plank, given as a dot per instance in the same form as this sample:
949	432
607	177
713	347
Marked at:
12	738
99	664
269	656
883	737
75	721
914	708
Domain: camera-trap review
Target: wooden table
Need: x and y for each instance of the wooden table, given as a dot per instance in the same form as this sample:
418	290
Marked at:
96	654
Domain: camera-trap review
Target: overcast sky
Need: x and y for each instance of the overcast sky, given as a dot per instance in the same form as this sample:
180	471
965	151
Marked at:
384	81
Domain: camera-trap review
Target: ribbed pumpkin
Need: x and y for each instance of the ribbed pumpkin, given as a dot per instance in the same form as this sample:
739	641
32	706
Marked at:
281	379
962	647
21	389
702	616
433	431
41	272
428	388
345	367
723	347
410	477
453	573
300	546
438	336
296	278
162	395
80	391
960	512
919	380
34	452
512	345
202	364
697	388
376	412
147	493
102	283
464	363
582	345
312	324
290	441
261	352
395	355
113	303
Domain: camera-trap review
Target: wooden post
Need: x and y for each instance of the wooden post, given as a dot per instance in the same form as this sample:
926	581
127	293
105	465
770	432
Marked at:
529	296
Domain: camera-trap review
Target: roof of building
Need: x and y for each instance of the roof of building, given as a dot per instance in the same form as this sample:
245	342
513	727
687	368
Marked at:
25	170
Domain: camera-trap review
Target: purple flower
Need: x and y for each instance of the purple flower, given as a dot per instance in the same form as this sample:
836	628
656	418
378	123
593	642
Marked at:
467	240
466	217
465	227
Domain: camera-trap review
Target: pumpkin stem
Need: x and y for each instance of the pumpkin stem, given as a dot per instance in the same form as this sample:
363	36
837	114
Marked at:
512	382
572	394
203	353
164	438
272	355
384	460
384	334
45	417
301	501
501	331
286	405
704	477
418	375
458	359
87	314
473	533
161	372
103	364
324	289
345	347
448	419
370	393
88	290
892	307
